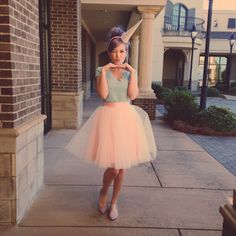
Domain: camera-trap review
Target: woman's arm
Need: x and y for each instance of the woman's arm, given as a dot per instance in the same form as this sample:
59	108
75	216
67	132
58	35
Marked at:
102	87
133	85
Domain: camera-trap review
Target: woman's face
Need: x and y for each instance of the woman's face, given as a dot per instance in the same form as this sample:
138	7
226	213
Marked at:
118	54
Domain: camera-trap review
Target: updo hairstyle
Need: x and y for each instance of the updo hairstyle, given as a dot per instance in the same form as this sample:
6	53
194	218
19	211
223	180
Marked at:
114	39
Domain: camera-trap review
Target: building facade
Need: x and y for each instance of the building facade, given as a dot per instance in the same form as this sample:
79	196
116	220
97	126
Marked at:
173	44
41	88
172	51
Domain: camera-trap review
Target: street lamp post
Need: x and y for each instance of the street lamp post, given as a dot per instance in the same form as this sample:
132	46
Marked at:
205	71
193	37
231	44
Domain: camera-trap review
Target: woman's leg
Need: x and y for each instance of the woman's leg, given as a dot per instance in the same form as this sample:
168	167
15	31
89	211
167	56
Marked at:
113	214
108	177
118	181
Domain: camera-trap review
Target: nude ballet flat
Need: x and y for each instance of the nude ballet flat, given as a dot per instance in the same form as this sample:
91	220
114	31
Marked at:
113	213
102	208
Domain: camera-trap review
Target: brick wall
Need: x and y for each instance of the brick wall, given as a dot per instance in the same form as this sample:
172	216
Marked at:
148	105
19	62
65	46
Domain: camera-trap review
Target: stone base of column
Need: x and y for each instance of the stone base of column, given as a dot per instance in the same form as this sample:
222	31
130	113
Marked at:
21	168
229	214
67	110
147	103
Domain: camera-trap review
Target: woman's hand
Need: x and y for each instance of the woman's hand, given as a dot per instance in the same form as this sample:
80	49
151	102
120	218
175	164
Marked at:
127	67
108	66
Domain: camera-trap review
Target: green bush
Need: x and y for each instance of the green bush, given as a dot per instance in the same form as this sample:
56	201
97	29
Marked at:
180	105
161	92
233	84
166	92
156	88
213	92
221	87
232	90
181	88
217	118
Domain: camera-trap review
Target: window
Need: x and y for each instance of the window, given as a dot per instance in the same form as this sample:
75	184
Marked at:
217	69
179	19
231	23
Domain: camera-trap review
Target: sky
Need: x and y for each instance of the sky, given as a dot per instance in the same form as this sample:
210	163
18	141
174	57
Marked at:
222	4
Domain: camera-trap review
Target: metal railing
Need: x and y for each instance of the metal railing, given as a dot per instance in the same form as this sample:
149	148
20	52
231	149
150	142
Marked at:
182	26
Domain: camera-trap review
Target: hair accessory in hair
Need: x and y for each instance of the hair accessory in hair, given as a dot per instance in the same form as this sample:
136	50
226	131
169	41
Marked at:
128	34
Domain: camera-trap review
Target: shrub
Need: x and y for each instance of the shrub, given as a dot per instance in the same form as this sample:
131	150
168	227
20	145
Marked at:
213	92
166	92
161	92
156	88
180	105
181	88
233	84
217	118
232	90
221	86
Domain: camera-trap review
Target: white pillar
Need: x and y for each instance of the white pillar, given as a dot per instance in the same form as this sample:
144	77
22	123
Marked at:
134	51
145	51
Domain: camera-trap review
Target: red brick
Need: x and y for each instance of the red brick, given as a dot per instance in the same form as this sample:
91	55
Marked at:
8	116
4	2
5	38
5	74
4	19
6	82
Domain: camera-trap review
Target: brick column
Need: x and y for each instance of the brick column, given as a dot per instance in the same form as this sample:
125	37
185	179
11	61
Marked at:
21	122
229	215
67	95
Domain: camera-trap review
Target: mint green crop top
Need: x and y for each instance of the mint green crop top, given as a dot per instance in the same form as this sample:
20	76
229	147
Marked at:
117	88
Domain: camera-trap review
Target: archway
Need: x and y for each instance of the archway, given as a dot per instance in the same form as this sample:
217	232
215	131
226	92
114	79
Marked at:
173	71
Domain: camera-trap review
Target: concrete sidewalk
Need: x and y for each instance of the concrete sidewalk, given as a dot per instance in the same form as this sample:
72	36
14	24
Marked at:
178	194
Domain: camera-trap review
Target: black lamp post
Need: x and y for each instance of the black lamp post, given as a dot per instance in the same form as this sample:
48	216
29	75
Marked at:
193	37
205	71
231	44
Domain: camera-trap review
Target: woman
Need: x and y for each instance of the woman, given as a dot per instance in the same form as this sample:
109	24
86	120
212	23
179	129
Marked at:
117	135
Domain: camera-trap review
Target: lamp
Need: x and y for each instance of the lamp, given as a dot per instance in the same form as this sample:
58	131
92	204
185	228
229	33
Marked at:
193	37
193	32
231	44
231	40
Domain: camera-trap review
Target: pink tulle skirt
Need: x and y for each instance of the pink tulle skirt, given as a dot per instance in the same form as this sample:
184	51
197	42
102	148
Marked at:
117	135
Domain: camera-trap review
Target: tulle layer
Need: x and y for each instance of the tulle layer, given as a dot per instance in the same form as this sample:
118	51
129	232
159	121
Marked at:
117	135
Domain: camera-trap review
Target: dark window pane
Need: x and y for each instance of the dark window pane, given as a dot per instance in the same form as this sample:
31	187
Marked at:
231	23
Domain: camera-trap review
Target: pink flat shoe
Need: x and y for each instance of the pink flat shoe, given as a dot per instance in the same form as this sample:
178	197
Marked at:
102	206
113	213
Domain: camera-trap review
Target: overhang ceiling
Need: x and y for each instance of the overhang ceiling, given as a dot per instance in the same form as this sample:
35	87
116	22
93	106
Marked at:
99	16
99	19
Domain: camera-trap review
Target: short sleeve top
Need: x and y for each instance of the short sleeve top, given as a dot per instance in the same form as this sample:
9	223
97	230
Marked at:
117	88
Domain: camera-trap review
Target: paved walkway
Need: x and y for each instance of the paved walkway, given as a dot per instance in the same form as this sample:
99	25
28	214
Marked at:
223	149
178	194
